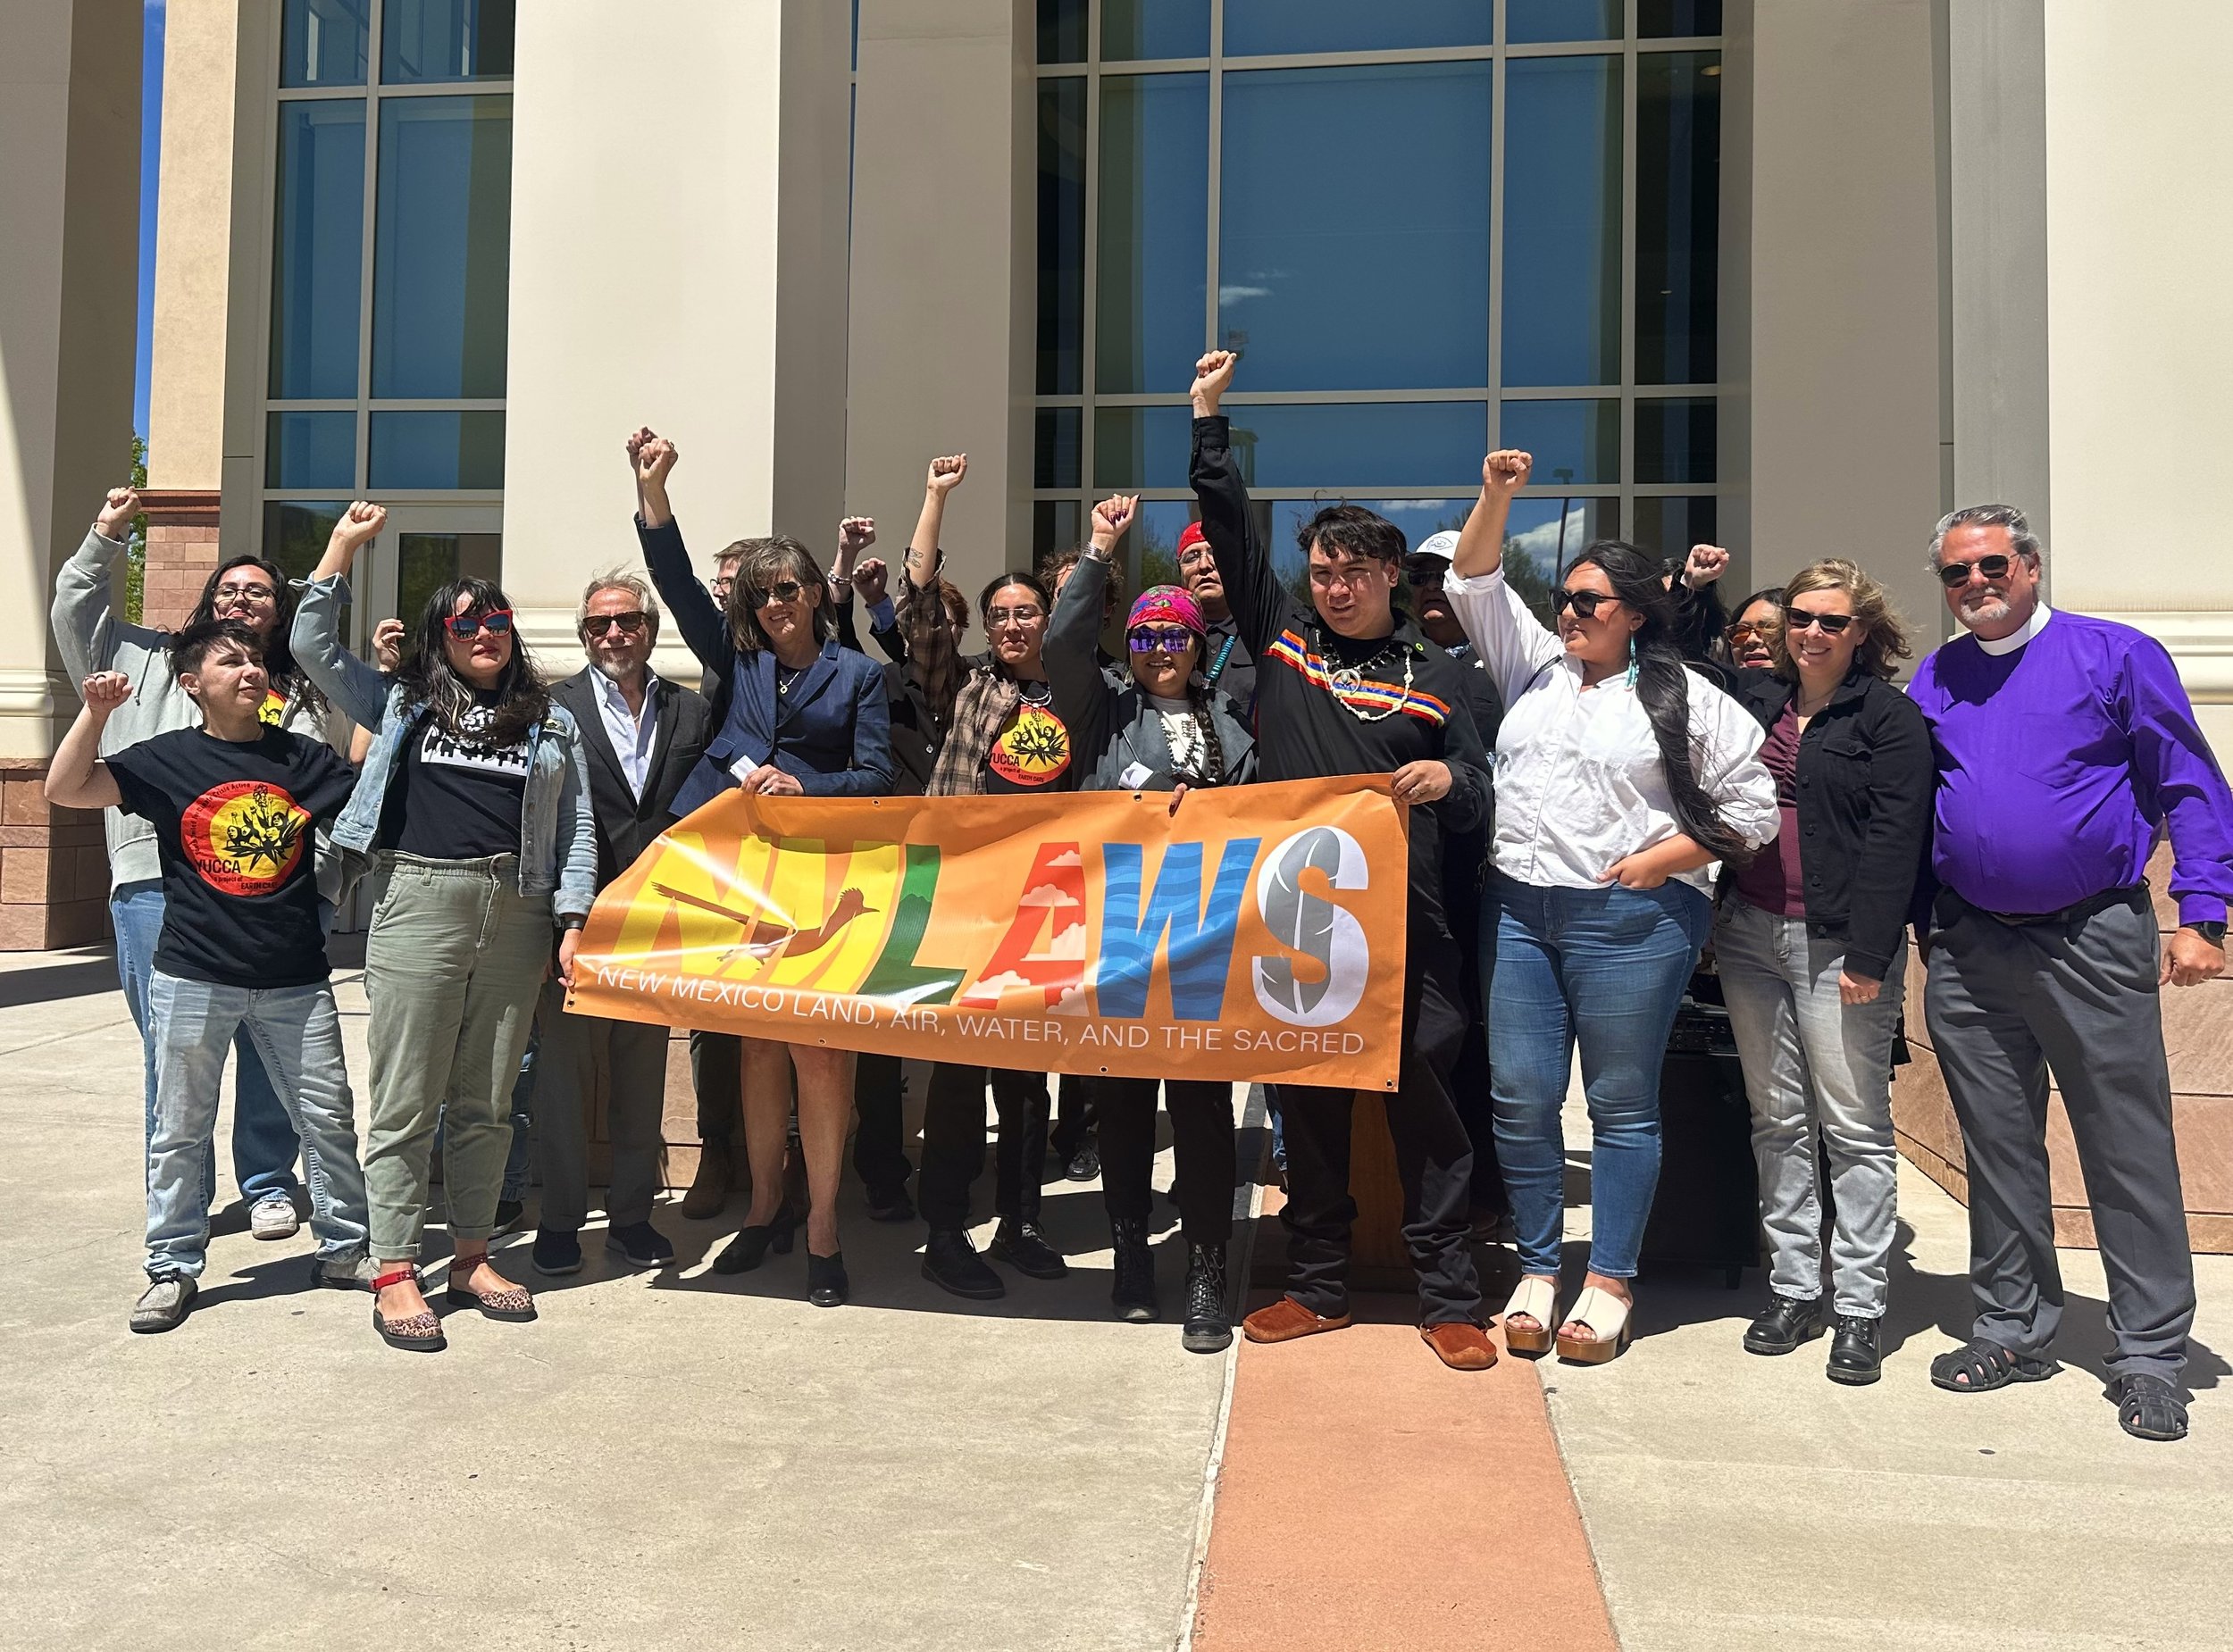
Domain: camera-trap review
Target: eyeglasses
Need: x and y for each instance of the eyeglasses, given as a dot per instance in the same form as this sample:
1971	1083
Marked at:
1829	624
782	591
597	624
1419	578
722	584
496	621
1195	557
1029	613
242	593
1951	574
1746	630
1585	603
1174	639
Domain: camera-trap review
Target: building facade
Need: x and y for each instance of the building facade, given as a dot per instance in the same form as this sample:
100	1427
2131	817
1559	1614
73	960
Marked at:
1792	275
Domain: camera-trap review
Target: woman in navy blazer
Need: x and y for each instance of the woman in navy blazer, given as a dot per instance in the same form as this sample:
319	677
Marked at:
805	717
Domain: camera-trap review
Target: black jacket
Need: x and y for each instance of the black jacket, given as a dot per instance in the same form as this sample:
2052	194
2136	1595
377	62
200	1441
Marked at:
626	825
1303	731
916	732
1864	782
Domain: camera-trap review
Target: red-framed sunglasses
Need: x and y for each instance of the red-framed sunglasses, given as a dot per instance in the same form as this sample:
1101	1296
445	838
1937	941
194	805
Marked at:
496	622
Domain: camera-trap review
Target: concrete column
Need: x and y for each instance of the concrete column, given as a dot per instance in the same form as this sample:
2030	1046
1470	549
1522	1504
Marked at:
944	273
1834	329
69	270
678	260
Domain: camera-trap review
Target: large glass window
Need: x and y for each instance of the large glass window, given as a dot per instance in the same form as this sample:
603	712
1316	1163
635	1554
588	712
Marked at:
1424	240
387	348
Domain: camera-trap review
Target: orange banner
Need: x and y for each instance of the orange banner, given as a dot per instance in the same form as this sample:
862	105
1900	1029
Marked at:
1256	935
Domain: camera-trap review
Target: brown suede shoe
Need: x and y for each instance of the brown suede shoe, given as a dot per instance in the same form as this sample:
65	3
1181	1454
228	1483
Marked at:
710	1189
1285	1320
1461	1347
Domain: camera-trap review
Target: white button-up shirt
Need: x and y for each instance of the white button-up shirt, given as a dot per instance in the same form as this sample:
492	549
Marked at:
631	732
1579	783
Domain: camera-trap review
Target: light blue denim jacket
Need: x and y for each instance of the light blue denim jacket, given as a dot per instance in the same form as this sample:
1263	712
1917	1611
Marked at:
557	830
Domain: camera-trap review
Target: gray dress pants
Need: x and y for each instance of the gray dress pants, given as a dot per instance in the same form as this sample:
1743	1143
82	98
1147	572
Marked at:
580	1059
2007	1004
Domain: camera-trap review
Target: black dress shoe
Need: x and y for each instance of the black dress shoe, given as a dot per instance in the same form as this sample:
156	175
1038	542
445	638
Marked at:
1208	1330
1084	1165
888	1204
951	1263
1134	1291
1787	1322
1854	1357
826	1284
1023	1248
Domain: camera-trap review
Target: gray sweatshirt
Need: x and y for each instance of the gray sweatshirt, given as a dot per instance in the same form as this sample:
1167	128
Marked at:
93	637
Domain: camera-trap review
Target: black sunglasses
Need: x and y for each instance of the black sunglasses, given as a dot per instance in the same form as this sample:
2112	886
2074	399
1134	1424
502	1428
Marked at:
782	591
597	624
1583	603
1951	574
1829	624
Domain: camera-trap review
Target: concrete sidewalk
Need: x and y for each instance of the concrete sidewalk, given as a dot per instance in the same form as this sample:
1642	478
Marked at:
664	1461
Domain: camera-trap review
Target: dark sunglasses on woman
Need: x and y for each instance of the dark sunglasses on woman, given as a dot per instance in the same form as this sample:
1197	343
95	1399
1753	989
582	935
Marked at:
1829	624
782	591
597	624
1744	631
1951	574
496	621
1175	640
1583	603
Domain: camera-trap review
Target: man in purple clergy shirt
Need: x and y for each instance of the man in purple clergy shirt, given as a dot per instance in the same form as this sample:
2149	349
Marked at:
2065	744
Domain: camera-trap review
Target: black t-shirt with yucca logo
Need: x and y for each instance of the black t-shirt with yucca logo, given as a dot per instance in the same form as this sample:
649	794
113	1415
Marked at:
235	826
1031	753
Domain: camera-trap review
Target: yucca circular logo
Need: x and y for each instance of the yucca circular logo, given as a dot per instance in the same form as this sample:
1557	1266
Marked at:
244	837
1032	750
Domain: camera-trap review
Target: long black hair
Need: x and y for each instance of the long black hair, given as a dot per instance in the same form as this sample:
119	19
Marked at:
521	701
999	583
289	678
1663	688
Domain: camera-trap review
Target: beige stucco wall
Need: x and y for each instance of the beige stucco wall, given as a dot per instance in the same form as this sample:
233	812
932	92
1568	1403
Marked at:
943	269
69	273
678	260
185	403
1836	352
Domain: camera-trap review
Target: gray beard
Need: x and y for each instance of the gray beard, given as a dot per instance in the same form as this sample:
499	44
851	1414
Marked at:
614	674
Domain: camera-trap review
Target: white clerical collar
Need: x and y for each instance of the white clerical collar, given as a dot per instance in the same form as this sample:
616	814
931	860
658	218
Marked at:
2017	638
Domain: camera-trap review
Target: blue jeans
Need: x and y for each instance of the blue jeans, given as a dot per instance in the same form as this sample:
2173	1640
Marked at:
1604	969
298	1033
264	1143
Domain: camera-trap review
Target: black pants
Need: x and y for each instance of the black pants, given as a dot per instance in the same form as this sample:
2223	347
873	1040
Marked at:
880	1155
953	1143
1077	1112
1201	1141
717	1075
1434	1158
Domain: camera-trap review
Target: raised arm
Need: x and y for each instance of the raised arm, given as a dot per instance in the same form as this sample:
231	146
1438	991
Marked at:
87	628
1084	698
923	553
870	583
1481	544
652	459
77	777
1252	589
357	691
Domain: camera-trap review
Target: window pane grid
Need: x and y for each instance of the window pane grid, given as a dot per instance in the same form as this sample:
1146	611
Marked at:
1644	432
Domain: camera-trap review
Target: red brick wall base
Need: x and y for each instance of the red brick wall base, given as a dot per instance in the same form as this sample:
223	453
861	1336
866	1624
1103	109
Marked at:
54	866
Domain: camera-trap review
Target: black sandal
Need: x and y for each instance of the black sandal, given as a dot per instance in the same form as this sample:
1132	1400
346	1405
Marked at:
2148	1407
1987	1365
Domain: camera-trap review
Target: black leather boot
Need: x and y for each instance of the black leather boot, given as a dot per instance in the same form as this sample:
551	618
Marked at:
1208	1330
951	1262
1787	1322
1134	1290
1854	1357
1023	1248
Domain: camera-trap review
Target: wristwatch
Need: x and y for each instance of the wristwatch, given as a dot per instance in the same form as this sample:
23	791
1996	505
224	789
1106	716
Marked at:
2211	929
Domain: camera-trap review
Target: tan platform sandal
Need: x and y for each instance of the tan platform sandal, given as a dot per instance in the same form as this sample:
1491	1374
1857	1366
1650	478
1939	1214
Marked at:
1607	1315
1538	1299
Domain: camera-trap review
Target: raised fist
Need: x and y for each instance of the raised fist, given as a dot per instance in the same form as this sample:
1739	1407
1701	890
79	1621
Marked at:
655	457
1112	516
1213	376
117	512
946	473
1505	470
360	524
870	580
1704	565
856	534
104	691
387	645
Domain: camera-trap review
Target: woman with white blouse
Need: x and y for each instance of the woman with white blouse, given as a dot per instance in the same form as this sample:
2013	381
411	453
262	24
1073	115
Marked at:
1621	779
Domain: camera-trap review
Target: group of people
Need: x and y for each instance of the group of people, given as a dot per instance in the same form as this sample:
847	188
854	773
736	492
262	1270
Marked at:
1667	781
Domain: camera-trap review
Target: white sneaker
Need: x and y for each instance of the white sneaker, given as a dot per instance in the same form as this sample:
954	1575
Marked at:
274	1218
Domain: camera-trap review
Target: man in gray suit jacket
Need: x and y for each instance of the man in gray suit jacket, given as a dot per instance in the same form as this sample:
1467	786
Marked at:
643	734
